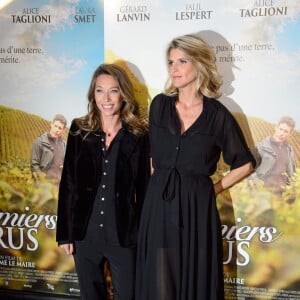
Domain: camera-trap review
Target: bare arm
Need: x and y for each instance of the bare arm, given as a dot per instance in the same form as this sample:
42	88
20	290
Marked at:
68	248
233	177
151	166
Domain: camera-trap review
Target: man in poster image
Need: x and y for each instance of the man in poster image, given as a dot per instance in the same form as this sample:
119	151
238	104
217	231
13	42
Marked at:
48	151
275	157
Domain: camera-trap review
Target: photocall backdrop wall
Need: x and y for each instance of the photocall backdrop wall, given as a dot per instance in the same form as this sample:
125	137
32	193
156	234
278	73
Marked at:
48	52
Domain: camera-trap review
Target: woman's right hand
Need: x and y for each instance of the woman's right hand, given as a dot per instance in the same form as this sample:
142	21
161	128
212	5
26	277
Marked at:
68	248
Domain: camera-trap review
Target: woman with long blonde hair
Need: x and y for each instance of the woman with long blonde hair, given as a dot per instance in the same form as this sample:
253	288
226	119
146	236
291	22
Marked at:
180	245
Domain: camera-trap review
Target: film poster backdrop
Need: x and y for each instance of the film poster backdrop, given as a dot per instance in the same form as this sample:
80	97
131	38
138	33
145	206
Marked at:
48	51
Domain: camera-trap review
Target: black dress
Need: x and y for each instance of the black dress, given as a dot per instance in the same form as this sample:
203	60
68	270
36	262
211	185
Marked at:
180	246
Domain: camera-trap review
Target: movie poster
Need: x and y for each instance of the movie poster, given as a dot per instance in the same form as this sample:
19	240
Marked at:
257	46
48	52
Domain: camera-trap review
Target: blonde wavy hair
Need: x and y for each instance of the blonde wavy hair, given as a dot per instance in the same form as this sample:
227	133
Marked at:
204	61
130	114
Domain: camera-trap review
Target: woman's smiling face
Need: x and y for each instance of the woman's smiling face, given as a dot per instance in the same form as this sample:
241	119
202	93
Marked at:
108	96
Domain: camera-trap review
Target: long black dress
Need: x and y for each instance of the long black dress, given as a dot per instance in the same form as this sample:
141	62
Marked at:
180	247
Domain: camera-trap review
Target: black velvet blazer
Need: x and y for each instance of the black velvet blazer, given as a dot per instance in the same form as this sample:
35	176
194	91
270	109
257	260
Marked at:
80	179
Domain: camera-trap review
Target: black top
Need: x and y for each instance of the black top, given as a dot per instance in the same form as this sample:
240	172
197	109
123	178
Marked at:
102	225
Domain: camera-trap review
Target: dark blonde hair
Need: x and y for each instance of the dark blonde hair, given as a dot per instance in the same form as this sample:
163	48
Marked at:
288	121
130	114
61	119
204	61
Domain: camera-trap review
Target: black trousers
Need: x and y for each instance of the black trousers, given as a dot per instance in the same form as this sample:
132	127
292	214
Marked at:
89	262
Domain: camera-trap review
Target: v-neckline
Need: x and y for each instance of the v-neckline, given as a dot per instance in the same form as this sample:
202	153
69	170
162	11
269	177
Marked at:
178	118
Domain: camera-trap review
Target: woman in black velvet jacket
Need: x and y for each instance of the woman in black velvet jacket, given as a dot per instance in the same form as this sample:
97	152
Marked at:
103	184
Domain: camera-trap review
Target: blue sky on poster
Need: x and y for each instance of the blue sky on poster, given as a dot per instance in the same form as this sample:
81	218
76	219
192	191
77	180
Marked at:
57	80
265	84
